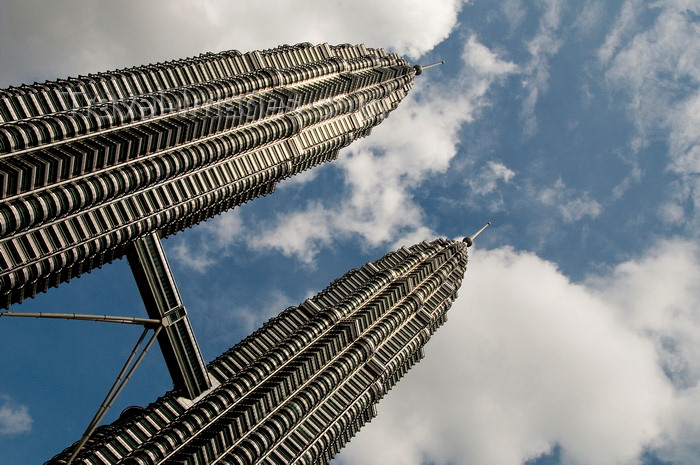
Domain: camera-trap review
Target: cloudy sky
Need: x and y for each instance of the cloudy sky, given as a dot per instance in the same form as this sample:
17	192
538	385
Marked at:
572	125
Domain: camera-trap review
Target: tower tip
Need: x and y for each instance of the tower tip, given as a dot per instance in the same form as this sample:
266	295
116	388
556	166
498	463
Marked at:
469	240
419	69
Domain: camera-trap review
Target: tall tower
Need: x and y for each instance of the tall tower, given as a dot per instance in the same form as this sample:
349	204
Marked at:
298	388
90	165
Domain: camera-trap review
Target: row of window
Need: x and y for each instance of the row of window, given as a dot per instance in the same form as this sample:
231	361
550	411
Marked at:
384	328
371	312
216	436
33	132
36	277
51	97
350	392
327	131
292	56
188	70
52	203
340	288
395	376
167	77
39	131
253	346
437	303
40	168
262	367
348	51
301	369
400	316
131	82
181	202
404	339
149	420
267	433
320	153
334	421
15	220
402	346
292	59
261	341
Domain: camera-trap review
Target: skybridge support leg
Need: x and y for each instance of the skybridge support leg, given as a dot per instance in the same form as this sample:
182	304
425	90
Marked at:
162	300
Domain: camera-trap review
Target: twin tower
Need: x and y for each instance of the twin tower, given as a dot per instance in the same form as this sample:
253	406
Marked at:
103	166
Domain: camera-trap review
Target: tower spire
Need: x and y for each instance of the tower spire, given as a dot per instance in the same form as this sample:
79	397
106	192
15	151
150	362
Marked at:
469	240
419	68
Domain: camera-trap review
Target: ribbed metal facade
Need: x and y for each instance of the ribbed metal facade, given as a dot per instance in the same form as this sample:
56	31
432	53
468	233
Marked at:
88	165
297	389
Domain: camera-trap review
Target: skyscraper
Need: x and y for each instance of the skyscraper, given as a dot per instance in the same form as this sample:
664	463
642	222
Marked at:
89	165
298	388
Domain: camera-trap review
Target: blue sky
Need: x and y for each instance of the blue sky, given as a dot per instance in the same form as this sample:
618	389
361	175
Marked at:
573	125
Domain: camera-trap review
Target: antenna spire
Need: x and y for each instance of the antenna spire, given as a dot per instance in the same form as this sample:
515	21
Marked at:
419	69
469	240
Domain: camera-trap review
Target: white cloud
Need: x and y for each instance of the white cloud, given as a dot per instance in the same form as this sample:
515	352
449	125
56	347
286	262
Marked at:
545	44
529	360
658	67
685	135
590	16
623	29
488	178
417	141
299	233
220	233
682	430
634	177
198	260
658	295
672	213
14	418
514	12
571	205
484	62
408	27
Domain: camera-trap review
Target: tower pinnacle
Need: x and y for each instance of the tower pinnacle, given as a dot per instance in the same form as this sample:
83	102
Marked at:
469	240
419	69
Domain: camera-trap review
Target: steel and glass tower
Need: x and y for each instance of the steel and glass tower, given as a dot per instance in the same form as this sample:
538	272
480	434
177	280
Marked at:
298	388
89	165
